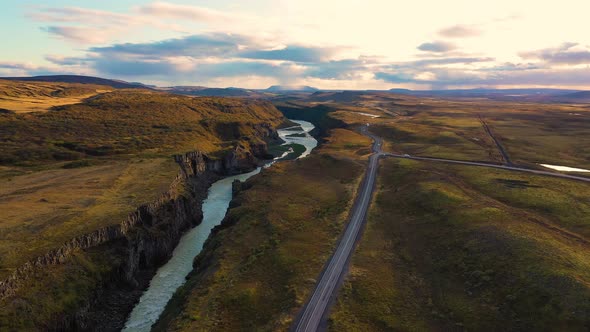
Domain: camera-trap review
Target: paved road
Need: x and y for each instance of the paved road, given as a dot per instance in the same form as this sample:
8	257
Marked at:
509	168
310	318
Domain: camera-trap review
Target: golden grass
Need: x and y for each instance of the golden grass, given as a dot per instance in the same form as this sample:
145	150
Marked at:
70	171
24	97
258	272
347	143
41	210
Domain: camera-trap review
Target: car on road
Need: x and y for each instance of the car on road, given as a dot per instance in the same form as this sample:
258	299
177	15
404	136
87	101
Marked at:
406	155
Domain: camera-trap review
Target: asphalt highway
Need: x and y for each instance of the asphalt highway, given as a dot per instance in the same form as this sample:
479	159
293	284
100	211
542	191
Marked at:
311	316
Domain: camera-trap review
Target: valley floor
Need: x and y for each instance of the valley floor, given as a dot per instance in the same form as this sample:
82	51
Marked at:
454	247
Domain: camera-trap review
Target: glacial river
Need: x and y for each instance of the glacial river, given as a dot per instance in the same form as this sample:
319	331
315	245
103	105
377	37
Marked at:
172	274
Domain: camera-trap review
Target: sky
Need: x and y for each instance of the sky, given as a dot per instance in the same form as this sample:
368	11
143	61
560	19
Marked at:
346	44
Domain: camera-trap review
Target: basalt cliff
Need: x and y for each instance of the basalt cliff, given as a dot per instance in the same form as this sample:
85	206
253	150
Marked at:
130	252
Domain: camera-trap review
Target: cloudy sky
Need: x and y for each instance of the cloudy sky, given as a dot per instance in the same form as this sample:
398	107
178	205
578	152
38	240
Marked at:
345	44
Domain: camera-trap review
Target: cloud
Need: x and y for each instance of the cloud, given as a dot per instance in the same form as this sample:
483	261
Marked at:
205	45
204	56
444	61
219	45
446	77
246	68
87	26
193	13
508	66
292	53
79	15
8	68
191	69
130	67
437	47
17	65
347	69
565	54
78	34
66	61
433	71
281	49
460	31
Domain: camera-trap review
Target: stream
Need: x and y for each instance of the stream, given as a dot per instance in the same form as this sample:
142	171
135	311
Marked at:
172	275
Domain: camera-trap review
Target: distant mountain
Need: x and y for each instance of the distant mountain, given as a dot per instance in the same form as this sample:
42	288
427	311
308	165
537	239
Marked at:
213	92
574	97
338	96
118	84
578	95
286	88
402	91
483	92
532	94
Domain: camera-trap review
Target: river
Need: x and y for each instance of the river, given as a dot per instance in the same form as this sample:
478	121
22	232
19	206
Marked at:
173	274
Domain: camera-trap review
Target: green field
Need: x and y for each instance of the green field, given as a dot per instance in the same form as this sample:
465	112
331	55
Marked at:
457	247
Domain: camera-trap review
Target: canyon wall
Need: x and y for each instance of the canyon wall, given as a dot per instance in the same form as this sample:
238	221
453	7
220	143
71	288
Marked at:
139	244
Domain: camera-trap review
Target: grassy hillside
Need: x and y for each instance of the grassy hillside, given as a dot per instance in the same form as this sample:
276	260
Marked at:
130	122
530	133
453	248
261	265
43	209
23	97
84	166
78	79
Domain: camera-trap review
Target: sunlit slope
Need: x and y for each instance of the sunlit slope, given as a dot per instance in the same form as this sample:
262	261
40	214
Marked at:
80	167
22	97
131	121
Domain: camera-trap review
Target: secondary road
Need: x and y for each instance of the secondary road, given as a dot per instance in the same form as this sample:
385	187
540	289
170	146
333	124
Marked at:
481	164
310	318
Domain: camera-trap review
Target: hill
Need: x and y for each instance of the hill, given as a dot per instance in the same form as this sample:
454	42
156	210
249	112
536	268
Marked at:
25	96
343	96
129	121
214	92
118	84
287	88
581	96
532	94
102	190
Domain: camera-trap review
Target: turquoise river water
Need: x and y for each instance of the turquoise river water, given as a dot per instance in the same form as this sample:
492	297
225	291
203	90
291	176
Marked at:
172	274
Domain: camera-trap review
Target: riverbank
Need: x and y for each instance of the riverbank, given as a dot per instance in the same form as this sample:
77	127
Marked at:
259	265
172	275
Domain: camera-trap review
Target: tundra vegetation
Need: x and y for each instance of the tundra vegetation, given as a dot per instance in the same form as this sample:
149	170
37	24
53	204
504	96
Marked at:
77	168
445	248
23	97
260	265
455	247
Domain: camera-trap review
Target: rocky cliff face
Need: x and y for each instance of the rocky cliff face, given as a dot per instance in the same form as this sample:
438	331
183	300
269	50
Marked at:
143	241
